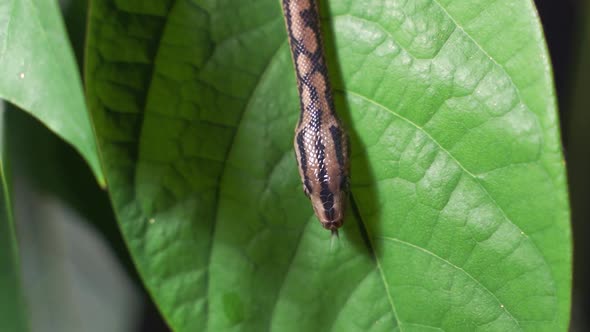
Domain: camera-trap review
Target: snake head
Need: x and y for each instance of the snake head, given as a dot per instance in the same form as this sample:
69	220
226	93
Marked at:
329	204
322	157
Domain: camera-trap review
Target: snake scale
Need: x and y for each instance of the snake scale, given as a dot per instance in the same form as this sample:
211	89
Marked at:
321	144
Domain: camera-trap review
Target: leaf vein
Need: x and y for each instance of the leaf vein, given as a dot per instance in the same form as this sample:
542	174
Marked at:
473	176
426	251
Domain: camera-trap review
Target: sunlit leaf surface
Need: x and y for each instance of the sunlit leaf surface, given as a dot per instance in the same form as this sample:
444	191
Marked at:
462	218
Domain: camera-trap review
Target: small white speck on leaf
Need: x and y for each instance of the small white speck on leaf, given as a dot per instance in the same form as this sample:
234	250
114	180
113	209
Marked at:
21	75
501	306
152	220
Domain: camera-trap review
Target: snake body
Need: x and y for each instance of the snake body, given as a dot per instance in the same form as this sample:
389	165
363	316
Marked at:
321	144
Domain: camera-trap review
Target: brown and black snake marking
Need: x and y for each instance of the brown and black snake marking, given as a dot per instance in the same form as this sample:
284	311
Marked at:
321	145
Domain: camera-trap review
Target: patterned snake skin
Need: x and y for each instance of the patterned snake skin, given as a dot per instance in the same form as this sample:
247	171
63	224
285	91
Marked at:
321	145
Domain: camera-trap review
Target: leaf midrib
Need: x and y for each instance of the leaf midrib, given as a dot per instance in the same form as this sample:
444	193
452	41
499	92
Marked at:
476	179
430	253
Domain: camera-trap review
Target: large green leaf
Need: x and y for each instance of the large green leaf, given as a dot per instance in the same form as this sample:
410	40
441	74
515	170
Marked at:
13	315
39	73
461	217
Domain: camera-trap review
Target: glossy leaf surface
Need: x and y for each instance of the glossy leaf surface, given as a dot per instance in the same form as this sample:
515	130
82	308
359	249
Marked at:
39	73
461	220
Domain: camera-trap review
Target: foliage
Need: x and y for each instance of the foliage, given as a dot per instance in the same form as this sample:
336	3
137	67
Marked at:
459	217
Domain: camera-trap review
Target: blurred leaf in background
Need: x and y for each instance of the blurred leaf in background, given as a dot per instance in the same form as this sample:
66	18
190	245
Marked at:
71	277
59	204
13	313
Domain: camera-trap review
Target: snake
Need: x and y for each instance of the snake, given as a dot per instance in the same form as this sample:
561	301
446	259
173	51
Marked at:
321	143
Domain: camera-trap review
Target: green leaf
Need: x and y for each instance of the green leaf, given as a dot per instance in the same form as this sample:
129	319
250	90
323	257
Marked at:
13	315
461	218
39	73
